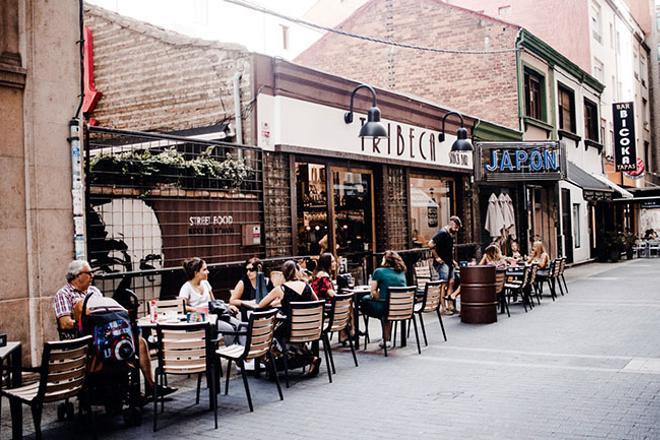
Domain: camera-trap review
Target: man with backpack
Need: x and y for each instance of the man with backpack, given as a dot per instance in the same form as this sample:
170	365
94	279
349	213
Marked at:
68	308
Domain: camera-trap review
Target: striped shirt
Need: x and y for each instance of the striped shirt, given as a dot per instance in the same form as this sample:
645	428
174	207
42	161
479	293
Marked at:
68	296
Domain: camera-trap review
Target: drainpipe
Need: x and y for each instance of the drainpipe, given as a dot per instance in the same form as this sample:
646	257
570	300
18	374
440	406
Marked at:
519	78
237	108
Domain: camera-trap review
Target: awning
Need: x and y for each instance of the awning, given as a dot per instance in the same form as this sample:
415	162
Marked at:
624	193
585	180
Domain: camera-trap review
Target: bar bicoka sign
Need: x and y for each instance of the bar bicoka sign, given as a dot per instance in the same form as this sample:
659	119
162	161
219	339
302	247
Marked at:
509	161
625	153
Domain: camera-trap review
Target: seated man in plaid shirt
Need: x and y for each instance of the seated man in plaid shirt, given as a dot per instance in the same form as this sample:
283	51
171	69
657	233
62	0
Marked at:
68	306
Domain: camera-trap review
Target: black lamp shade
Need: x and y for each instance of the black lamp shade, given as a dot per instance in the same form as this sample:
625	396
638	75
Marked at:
373	128
461	143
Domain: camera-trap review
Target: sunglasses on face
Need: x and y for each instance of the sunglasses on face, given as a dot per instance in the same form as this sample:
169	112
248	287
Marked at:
86	273
251	269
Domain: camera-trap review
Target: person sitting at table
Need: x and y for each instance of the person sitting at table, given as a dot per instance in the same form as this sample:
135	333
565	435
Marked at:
539	255
197	292
68	309
391	273
515	252
493	257
322	283
293	290
253	286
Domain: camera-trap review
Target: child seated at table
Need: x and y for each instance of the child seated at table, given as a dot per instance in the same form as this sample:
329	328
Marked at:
493	256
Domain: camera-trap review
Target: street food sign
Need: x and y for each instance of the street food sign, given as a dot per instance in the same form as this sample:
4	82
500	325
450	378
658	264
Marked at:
625	153
514	161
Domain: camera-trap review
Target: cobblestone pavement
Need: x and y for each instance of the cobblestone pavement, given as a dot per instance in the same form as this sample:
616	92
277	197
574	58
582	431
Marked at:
585	366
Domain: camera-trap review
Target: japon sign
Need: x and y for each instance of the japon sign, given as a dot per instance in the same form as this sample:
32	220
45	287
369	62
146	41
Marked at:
514	161
625	153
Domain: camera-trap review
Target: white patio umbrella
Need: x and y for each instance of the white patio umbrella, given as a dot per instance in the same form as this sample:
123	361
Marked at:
494	218
509	215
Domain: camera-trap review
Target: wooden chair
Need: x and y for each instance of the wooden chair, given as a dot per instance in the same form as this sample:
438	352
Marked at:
400	307
339	317
431	301
422	275
185	349
62	376
562	268
500	279
306	325
257	346
164	306
521	286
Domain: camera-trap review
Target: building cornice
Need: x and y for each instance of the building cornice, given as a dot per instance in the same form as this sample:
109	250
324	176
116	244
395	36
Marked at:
11	73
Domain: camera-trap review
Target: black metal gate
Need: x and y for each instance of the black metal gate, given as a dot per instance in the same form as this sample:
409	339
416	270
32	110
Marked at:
153	200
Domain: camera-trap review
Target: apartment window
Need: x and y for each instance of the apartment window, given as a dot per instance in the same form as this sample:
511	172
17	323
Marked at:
611	35
618	42
576	225
598	70
603	125
590	120
566	109
596	22
504	11
534	95
285	36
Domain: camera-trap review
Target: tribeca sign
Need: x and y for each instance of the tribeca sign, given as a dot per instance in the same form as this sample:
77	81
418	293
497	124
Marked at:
625	153
510	161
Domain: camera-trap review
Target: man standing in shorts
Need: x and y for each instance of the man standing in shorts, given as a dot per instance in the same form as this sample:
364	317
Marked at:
442	248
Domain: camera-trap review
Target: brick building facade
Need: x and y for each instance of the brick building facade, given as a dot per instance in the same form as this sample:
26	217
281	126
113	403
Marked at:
481	85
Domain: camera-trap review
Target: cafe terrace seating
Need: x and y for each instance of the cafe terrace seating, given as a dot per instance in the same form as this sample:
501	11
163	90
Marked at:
185	349
430	302
61	376
257	346
400	307
306	325
522	285
500	279
338	320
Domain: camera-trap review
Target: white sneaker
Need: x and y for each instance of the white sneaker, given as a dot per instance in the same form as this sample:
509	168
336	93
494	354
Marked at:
384	344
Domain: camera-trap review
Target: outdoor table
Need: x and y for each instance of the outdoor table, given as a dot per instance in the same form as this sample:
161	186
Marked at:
13	352
145	321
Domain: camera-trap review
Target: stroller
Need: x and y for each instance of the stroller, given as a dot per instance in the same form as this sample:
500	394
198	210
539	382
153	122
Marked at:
114	372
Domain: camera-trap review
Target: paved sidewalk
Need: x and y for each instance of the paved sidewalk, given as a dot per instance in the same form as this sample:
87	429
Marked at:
585	366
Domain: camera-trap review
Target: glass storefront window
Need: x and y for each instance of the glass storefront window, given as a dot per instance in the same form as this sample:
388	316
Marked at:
352	203
431	205
312	208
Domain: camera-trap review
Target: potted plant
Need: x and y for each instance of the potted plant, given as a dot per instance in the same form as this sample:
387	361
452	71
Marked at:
629	240
613	246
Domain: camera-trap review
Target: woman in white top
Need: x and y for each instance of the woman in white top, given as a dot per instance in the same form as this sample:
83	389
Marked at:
196	291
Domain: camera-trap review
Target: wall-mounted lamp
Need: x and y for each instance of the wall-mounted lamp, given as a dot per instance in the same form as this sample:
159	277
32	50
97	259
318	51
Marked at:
372	128
461	143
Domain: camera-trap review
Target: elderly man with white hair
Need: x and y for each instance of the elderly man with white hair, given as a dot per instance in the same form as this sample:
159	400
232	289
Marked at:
79	277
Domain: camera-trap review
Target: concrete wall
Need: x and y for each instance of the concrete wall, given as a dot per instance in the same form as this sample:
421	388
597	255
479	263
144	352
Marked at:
481	85
36	227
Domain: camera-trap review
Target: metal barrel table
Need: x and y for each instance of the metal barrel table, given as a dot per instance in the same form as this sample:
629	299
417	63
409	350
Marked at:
478	295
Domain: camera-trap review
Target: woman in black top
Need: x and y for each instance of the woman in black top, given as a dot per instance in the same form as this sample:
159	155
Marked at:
253	286
293	290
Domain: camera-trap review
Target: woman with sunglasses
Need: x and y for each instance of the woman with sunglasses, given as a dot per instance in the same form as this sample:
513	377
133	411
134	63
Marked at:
253	286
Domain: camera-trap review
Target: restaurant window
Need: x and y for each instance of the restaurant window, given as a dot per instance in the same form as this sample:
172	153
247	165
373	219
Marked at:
576	225
590	120
599	70
596	21
312	208
566	109
534	95
431	205
343	218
